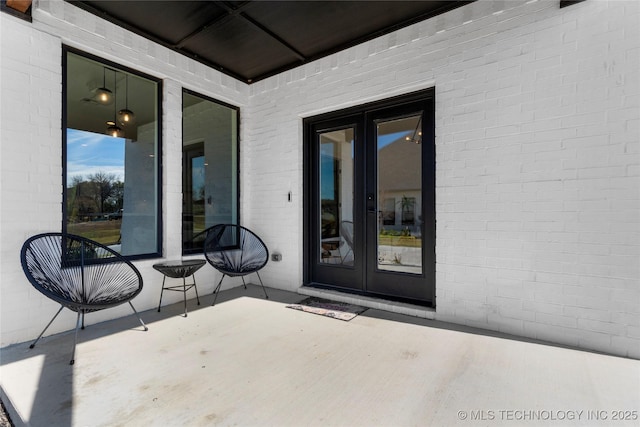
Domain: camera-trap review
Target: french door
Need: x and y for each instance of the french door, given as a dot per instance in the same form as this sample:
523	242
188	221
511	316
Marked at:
370	210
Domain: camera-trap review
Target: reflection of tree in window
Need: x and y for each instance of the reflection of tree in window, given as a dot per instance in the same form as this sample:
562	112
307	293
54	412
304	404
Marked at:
389	211
103	183
408	210
96	198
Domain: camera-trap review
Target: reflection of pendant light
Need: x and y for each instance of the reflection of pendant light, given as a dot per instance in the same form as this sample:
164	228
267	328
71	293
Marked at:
113	129
126	116
417	134
103	95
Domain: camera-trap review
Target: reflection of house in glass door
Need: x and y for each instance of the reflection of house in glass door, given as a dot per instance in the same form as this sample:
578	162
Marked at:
400	195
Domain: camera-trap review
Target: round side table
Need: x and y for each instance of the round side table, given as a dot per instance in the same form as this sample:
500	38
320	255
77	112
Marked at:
177	270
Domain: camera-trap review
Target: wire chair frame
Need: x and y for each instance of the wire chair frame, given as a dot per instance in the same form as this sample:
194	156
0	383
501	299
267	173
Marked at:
346	231
235	251
79	274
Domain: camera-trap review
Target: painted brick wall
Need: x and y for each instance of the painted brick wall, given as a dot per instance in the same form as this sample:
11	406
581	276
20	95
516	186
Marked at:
537	137
30	155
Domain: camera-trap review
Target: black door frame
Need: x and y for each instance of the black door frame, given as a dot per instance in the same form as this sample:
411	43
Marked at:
364	113
341	276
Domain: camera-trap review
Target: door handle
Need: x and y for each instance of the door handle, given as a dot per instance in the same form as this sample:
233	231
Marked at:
371	203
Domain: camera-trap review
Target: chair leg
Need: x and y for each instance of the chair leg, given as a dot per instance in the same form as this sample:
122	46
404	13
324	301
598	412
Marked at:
216	291
46	327
263	289
184	294
196	288
75	339
161	292
139	318
243	282
342	258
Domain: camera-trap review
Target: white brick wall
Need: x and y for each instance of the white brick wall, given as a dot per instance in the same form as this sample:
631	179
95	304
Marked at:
537	138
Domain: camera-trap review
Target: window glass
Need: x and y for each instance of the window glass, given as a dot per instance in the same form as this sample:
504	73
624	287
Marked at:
111	154
210	167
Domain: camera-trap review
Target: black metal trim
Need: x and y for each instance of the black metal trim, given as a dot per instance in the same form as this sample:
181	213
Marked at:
565	3
63	126
208	98
159	158
323	286
373	106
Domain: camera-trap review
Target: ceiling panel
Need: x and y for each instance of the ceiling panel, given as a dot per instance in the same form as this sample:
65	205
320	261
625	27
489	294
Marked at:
252	40
229	41
168	21
316	27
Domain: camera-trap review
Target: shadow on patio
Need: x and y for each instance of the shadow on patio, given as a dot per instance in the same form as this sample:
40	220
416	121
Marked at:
249	361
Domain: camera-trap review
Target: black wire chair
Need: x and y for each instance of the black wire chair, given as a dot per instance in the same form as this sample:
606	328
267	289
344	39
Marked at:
234	251
79	274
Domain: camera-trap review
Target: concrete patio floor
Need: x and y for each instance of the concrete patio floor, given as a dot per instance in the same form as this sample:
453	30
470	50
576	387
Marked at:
252	362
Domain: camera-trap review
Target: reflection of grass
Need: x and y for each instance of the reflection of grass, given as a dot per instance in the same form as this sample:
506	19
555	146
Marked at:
198	223
409	241
105	232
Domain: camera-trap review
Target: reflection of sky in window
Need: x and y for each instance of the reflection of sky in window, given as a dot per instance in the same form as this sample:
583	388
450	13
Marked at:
88	153
327	186
384	140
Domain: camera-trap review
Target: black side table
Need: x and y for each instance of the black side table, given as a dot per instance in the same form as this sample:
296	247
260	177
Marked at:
177	270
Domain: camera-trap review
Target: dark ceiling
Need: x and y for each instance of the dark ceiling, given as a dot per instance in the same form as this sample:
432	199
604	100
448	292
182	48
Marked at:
253	40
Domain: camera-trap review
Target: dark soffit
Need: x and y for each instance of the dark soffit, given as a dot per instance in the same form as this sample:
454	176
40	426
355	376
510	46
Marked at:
253	40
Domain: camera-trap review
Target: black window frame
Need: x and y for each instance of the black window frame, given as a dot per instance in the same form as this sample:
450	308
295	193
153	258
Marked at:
197	250
66	49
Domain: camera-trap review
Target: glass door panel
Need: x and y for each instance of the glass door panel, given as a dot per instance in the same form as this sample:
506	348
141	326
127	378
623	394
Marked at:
336	197
400	205
399	192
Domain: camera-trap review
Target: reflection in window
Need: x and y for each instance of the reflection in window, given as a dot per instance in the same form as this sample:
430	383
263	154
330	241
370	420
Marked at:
336	196
210	167
329	190
389	211
408	210
111	152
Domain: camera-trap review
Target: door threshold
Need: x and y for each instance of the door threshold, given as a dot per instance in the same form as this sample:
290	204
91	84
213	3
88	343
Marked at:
370	302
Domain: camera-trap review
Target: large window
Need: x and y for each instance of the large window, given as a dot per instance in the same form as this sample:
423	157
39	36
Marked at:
210	167
111	154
